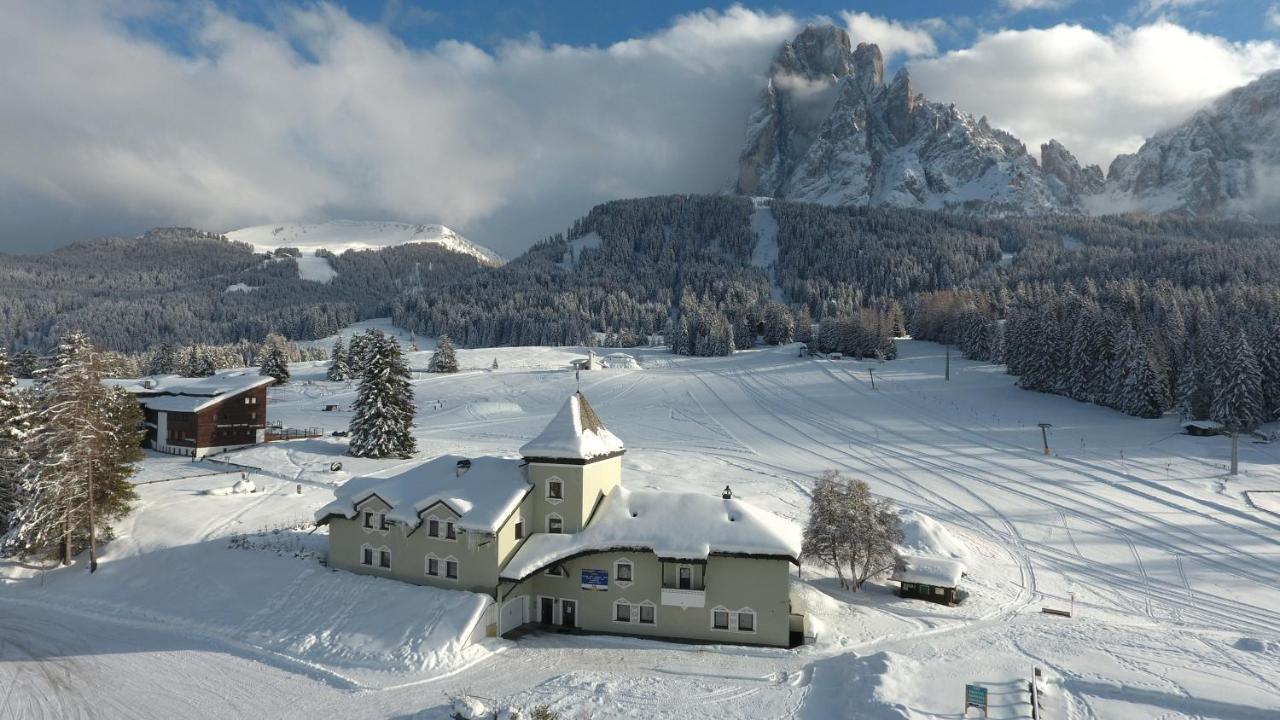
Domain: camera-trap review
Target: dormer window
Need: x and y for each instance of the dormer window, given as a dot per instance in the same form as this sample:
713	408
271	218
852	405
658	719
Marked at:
449	532
433	528
555	490
368	520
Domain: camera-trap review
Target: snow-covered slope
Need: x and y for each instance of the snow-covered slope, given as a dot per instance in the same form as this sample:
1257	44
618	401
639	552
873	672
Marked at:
1223	161
338	236
830	130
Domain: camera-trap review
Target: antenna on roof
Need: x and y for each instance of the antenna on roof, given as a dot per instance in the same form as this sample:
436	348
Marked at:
577	378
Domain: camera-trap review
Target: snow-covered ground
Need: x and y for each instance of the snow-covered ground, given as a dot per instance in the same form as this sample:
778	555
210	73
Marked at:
199	609
765	254
338	236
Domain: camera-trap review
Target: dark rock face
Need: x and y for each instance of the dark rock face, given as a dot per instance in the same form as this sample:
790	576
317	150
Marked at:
828	129
1059	163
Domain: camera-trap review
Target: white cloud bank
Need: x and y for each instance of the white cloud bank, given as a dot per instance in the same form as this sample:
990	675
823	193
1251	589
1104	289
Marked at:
103	130
1099	94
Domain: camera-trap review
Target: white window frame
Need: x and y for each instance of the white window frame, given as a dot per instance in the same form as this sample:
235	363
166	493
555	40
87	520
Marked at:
547	491
551	570
632	614
384	550
639	613
728	619
426	565
457	568
366	520
617	577
450	531
376	558
436	520
755	620
556	516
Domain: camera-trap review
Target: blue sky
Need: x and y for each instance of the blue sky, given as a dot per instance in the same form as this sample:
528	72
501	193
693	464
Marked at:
506	120
576	22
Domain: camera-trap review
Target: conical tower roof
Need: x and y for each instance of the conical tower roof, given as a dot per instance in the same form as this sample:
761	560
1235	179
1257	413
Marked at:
575	433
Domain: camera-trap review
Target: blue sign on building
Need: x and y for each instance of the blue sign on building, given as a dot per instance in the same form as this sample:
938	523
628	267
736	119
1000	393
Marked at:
595	579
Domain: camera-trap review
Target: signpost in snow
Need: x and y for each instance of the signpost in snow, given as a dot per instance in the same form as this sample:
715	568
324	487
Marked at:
595	579
975	696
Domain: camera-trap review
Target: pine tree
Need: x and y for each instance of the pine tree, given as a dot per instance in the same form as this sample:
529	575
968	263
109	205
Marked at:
85	440
357	354
15	427
779	326
339	371
25	364
495	364
444	359
384	404
275	359
1237	386
1143	389
165	361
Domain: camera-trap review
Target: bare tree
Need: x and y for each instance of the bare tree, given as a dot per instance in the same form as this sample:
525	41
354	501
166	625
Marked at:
849	529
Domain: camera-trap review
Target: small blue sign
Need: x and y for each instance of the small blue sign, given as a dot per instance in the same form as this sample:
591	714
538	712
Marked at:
975	696
595	579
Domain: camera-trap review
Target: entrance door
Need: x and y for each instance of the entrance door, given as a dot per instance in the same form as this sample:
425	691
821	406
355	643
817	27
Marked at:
547	610
686	578
569	613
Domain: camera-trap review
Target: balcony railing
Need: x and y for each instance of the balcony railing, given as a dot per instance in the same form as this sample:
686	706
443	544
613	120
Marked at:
684	598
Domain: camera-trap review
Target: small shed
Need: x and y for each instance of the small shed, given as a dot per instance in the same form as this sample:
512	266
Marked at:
590	362
928	578
1202	428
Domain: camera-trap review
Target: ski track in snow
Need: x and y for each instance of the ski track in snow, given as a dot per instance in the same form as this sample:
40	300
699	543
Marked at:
1168	575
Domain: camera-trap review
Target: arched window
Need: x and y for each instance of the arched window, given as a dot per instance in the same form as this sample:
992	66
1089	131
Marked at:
622	611
555	490
433	565
555	523
746	620
720	618
451	568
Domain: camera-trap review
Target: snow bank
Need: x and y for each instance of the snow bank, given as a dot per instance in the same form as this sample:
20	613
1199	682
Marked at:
922	535
241	487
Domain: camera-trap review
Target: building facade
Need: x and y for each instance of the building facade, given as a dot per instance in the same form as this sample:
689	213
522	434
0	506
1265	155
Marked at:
202	416
555	539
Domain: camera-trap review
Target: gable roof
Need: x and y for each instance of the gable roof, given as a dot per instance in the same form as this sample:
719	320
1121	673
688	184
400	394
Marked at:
672	525
939	572
173	393
483	497
575	433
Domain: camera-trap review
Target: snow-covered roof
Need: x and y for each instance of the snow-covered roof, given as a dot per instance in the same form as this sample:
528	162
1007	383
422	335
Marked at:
575	433
1203	424
935	571
483	496
676	526
173	393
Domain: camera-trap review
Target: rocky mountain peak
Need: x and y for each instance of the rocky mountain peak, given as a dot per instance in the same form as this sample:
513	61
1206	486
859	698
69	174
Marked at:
819	51
868	66
1059	163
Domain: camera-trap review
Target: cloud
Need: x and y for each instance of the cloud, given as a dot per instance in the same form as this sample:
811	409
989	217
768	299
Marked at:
1273	17
320	115
1153	7
893	37
1020	5
1100	94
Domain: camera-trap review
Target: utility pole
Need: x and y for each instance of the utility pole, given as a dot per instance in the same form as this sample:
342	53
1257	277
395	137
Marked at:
1235	452
948	362
1044	435
872	373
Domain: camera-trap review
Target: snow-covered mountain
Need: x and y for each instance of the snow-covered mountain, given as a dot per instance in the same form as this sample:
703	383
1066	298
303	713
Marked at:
340	235
1224	160
829	129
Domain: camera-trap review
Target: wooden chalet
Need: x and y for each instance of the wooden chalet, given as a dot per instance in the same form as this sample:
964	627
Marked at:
927	578
202	416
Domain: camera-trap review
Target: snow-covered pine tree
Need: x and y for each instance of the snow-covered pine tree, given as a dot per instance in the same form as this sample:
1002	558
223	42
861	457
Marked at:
200	362
1237	386
383	420
15	426
1268	347
338	368
358	352
495	364
82	448
25	364
1143	391
779	325
275	359
444	359
165	361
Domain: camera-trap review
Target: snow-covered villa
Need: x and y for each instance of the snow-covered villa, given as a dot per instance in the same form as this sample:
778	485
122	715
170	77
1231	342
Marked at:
555	538
202	416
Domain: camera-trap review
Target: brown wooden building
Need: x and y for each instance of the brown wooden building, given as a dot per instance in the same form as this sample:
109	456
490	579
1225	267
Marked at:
202	416
928	578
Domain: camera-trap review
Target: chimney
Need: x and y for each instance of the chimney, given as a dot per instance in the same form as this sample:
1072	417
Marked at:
148	383
463	466
727	494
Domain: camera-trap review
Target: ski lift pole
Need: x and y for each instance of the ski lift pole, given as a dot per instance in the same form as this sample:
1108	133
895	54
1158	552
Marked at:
872	373
1044	435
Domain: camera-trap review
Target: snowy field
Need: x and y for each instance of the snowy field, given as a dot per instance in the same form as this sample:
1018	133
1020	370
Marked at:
213	605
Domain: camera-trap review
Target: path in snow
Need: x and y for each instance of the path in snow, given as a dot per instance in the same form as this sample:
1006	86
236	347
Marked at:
765	253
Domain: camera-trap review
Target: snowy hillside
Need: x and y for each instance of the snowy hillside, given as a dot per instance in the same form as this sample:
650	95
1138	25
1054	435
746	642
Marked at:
1172	569
338	236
